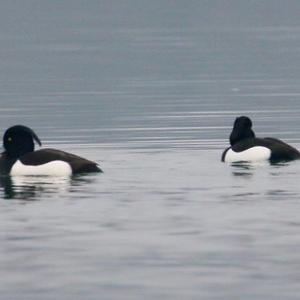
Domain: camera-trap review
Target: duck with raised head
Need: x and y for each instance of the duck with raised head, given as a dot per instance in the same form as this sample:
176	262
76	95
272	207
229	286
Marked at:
20	158
245	146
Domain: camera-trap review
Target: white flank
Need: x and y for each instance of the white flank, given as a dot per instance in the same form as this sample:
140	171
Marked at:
257	153
53	168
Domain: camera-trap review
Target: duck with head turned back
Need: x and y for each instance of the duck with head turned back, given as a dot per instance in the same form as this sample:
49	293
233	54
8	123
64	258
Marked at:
245	146
20	158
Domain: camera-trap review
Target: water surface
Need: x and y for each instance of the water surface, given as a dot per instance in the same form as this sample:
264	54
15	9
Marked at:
150	92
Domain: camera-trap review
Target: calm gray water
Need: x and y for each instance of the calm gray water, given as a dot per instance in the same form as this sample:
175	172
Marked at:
149	90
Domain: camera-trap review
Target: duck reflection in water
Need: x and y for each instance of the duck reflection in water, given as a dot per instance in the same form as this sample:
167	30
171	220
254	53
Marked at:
244	169
247	169
33	187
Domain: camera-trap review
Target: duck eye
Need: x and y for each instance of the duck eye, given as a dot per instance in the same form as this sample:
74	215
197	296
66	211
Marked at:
9	139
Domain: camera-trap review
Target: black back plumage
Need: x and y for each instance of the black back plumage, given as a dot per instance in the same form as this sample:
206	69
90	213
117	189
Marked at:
43	156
